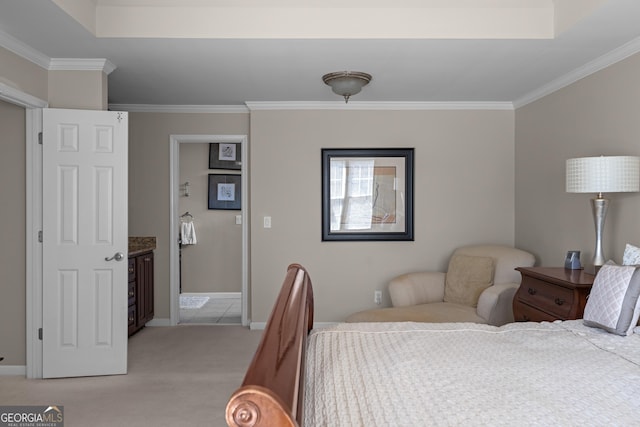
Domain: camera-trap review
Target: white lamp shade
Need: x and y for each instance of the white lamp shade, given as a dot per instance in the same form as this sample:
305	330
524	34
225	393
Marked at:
604	174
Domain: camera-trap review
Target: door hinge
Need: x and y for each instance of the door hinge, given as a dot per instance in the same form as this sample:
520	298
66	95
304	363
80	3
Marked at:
40	334
120	116
40	236
40	138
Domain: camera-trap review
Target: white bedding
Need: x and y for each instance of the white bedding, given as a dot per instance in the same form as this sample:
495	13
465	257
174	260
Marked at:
460	374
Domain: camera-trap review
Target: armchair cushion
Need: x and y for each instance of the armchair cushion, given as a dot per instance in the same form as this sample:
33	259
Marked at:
417	288
467	277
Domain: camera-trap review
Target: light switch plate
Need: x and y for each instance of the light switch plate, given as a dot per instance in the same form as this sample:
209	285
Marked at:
238	219
267	222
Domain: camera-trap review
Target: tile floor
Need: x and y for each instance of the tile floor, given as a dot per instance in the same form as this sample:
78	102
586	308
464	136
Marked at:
223	310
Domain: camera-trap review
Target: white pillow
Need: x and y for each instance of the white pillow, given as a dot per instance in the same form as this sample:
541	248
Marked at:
631	255
614	303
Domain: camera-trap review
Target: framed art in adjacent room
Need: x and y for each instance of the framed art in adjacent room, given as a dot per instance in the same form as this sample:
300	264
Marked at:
367	194
224	191
225	155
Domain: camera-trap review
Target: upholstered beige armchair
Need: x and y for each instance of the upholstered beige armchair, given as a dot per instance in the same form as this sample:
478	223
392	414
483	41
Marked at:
478	287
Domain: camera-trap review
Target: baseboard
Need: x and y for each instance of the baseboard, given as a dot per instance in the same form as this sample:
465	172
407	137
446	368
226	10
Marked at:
257	325
13	370
159	322
216	295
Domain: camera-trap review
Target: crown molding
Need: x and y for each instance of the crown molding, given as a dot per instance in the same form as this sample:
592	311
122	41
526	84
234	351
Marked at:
356	105
21	49
54	64
18	97
79	64
604	61
150	108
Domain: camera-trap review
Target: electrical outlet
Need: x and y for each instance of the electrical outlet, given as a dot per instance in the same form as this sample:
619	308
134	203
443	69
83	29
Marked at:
377	297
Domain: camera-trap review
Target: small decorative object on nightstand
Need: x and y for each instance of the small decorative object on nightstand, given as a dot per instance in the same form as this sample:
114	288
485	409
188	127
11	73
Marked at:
551	293
572	261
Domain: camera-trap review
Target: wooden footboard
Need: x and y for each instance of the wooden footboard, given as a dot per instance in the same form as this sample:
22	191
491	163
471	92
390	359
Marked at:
272	393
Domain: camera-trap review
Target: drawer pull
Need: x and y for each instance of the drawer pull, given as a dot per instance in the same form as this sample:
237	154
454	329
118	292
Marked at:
559	301
131	270
132	293
532	291
130	319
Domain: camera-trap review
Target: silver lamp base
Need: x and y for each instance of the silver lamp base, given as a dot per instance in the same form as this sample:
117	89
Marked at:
599	207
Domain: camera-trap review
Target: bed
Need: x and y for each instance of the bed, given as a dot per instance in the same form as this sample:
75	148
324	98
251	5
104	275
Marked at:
410	374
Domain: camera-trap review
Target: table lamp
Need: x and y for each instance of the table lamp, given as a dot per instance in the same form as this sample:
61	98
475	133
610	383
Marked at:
604	174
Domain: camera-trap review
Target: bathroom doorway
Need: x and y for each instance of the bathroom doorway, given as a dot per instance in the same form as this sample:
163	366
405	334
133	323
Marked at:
208	262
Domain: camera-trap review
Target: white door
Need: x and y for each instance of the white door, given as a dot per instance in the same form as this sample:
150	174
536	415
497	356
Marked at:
85	243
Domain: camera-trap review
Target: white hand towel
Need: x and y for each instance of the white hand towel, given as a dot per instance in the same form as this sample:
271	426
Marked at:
188	233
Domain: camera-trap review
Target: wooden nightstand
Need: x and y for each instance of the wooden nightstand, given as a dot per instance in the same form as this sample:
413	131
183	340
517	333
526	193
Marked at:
551	293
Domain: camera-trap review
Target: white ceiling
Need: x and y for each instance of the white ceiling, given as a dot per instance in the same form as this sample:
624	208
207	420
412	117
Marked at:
445	66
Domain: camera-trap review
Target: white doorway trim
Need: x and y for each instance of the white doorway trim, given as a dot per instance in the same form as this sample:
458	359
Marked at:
174	193
33	274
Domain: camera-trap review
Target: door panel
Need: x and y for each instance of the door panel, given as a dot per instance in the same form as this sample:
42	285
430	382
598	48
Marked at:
84	224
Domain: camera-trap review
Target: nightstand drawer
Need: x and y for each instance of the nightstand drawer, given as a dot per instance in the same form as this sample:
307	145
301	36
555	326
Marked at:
527	313
546	297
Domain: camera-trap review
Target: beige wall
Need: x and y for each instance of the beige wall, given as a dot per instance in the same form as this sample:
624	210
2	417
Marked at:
464	194
12	230
21	74
84	90
595	116
214	264
149	179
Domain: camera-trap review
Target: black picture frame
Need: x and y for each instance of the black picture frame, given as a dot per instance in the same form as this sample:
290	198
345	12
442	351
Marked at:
367	194
225	155
225	191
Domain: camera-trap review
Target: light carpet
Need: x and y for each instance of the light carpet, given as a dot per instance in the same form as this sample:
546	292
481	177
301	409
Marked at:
178	376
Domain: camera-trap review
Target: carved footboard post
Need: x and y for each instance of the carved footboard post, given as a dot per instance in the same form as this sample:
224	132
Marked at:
272	393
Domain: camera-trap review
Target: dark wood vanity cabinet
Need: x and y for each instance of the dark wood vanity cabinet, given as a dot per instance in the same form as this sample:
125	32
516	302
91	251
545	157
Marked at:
132	316
140	290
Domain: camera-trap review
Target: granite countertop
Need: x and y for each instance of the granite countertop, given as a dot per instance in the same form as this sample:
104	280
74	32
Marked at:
139	245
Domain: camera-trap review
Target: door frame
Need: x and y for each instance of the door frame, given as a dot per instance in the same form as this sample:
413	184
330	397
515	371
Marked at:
33	275
174	194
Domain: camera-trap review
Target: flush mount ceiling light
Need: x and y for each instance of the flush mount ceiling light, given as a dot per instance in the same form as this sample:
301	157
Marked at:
346	83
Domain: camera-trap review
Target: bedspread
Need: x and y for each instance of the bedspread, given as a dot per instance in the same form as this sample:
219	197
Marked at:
459	374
